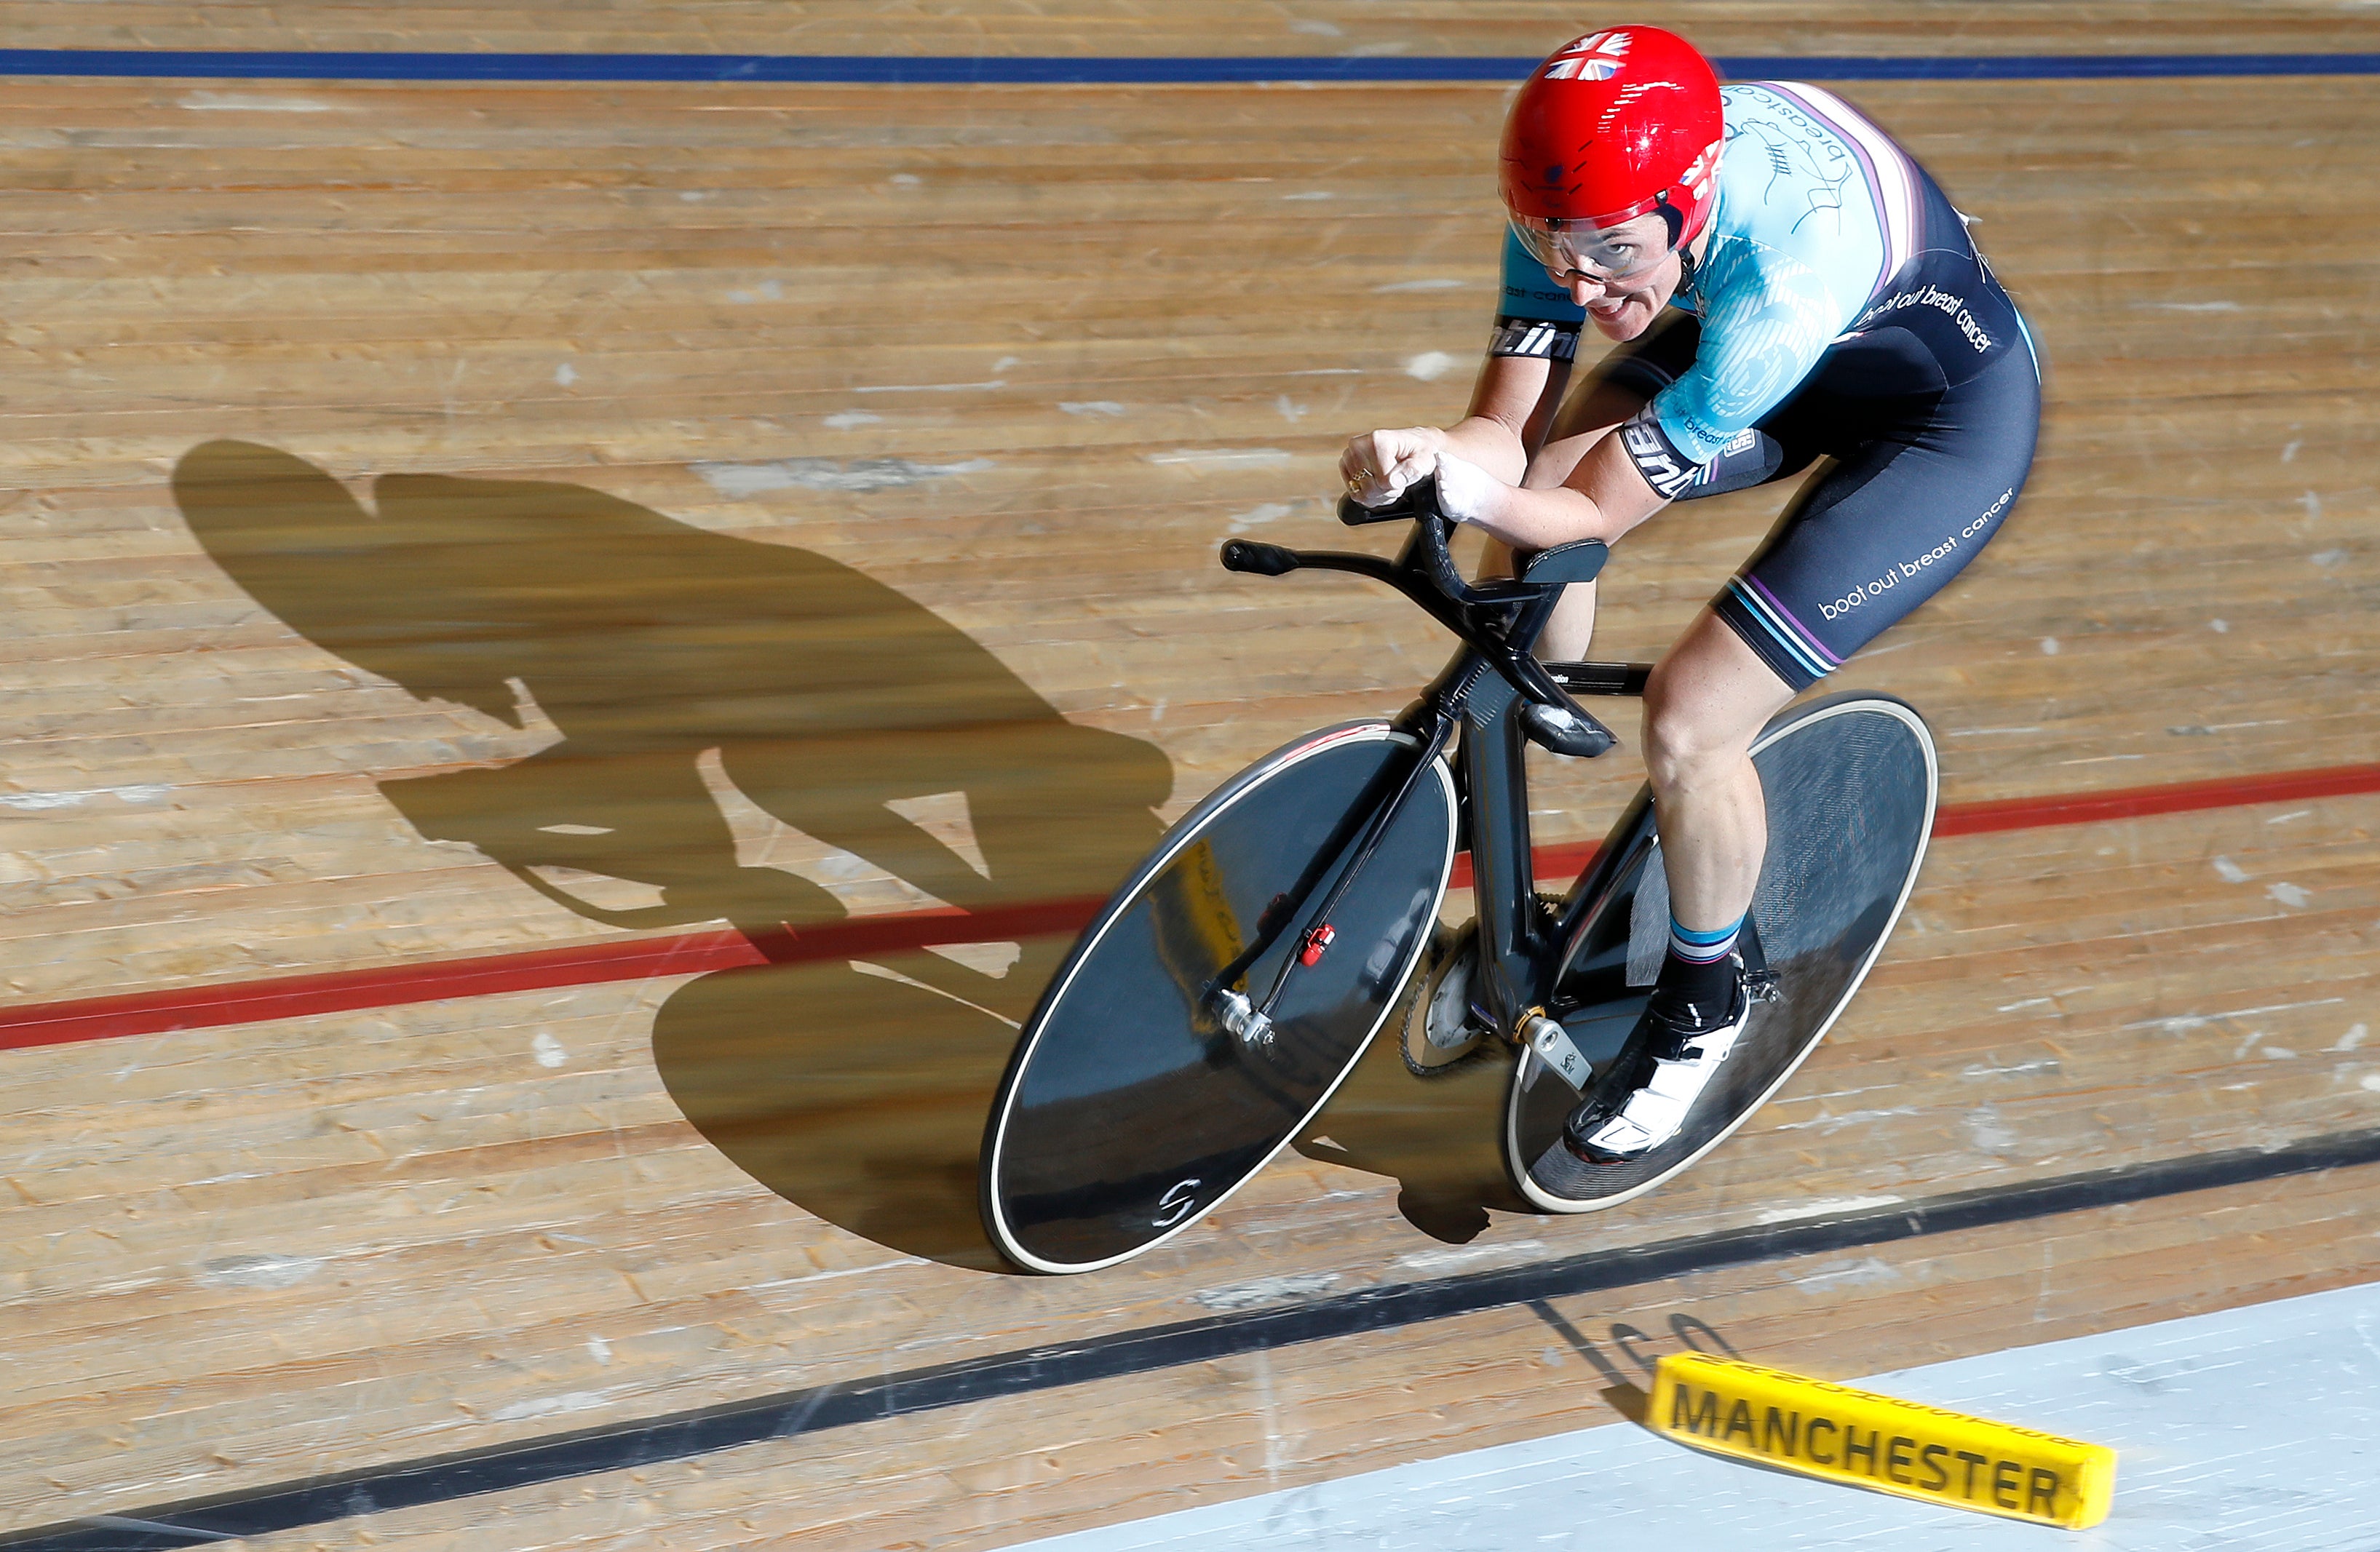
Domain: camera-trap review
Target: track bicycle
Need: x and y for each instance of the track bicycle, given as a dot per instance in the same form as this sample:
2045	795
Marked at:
1232	983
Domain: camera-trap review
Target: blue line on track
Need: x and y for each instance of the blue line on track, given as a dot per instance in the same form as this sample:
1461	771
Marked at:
876	70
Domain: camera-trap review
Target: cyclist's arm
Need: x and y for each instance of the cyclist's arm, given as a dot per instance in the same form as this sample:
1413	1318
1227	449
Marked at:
1511	404
1586	420
1602	497
1766	320
1513	400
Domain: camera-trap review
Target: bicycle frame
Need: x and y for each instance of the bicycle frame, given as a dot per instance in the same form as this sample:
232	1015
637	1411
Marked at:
1480	694
1204	1019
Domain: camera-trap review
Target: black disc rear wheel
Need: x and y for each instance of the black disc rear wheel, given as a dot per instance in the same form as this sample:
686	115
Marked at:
1850	785
1129	1111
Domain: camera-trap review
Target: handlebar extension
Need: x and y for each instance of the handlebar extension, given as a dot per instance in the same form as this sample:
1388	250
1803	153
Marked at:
1264	560
1417	500
1483	616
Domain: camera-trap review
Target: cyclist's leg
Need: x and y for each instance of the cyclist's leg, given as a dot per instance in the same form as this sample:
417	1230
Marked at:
1922	483
1707	701
1896	518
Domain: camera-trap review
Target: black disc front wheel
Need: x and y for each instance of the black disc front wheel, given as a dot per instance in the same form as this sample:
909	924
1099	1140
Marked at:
1130	1108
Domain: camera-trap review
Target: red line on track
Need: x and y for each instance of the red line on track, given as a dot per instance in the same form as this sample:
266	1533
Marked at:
634	959
2133	803
206	1007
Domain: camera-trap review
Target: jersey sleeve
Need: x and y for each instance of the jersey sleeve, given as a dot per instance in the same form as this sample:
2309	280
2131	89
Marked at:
1766	320
1533	317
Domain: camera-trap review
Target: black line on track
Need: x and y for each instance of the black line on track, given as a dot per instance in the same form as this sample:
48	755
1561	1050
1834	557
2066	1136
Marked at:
793	1414
847	69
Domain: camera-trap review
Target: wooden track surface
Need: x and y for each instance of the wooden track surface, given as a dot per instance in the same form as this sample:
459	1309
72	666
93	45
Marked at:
952	393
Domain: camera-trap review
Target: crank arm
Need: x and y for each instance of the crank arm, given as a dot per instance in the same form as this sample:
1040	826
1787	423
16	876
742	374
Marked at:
1560	1054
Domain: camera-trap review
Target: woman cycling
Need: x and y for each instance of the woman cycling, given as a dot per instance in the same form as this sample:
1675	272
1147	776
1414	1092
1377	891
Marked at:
1785	286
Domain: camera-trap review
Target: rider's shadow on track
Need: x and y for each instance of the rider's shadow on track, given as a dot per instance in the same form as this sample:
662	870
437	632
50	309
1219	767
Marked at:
1436	1139
826	696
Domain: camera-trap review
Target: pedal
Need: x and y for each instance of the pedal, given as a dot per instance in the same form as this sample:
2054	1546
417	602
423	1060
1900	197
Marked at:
1760	986
1557	1051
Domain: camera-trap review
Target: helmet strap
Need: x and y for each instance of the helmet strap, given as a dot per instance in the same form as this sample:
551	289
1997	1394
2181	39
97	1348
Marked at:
1675	219
1672	218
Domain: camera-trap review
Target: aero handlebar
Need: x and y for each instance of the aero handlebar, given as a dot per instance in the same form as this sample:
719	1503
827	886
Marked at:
1500	620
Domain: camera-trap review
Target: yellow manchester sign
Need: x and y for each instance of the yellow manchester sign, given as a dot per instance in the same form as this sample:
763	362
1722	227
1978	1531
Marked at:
1838	1434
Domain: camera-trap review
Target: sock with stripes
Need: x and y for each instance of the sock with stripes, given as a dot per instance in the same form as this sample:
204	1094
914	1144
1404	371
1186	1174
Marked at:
1700	965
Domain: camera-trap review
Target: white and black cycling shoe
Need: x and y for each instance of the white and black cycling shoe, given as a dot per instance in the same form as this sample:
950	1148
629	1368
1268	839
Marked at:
1678	1050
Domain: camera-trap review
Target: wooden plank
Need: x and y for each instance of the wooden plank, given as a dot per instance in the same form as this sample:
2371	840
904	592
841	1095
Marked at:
1103	330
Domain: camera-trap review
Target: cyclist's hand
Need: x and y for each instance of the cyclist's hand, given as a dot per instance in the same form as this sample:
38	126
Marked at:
1377	464
1467	492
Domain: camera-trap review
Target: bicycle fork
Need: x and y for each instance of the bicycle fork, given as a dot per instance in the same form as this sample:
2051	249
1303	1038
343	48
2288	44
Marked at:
1250	1020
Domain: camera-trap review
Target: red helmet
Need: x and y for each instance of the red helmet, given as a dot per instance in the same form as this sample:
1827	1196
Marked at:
1611	126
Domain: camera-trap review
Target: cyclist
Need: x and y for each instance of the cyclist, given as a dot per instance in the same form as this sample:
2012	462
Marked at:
1784	284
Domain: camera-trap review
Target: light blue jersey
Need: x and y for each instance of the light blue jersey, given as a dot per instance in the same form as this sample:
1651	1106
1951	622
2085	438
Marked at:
1825	234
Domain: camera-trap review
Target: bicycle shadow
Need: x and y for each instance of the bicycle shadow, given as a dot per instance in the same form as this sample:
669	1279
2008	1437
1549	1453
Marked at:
719	703
1435	1137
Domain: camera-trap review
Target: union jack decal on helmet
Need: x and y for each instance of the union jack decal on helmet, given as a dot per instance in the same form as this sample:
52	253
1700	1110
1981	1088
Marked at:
1697	176
1596	56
